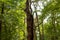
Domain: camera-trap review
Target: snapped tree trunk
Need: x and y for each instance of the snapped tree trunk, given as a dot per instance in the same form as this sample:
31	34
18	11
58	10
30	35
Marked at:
29	21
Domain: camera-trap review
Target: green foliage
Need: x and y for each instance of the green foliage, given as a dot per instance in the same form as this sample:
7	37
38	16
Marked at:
13	19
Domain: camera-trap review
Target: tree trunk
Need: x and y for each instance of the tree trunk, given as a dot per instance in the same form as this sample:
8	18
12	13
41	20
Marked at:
35	36
30	27
38	26
29	21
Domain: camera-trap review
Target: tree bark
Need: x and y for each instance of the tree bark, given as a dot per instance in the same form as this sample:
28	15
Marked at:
29	21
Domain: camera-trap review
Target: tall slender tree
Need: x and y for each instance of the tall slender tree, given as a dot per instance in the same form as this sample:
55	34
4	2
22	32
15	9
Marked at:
29	20
38	25
35	35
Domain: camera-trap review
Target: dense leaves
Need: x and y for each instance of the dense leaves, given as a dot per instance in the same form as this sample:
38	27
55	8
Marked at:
13	21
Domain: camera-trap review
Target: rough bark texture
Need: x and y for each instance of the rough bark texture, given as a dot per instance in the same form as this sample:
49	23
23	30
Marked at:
29	21
30	27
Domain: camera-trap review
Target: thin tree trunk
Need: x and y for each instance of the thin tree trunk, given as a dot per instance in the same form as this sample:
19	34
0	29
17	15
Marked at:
35	36
37	23
38	26
29	21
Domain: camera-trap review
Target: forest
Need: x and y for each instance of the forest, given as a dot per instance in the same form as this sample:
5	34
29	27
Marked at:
29	19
